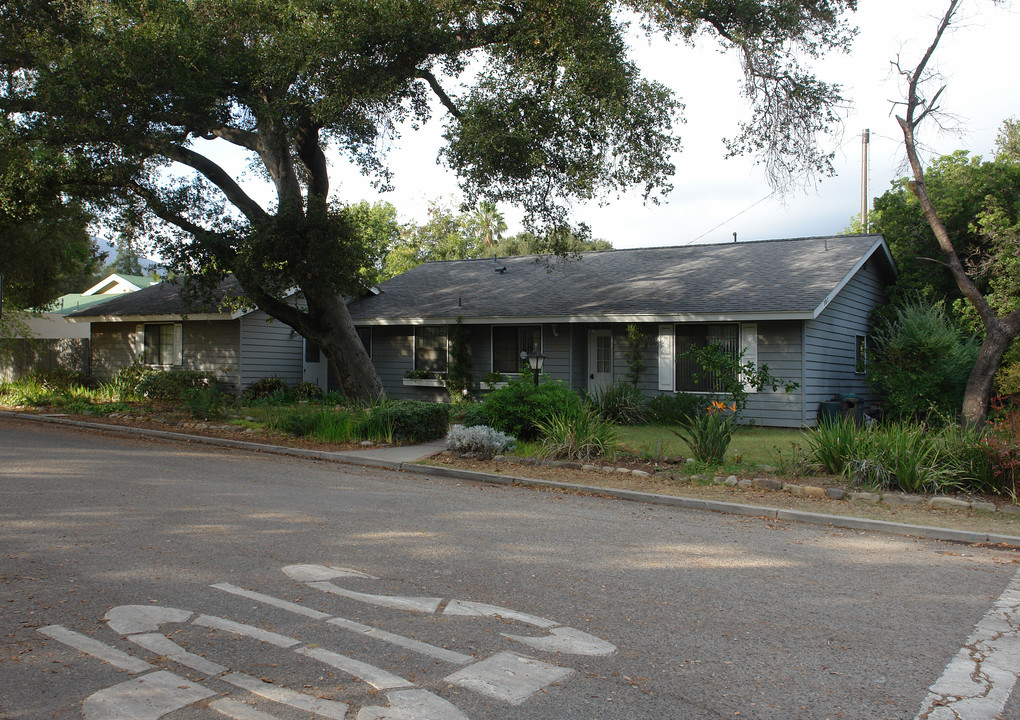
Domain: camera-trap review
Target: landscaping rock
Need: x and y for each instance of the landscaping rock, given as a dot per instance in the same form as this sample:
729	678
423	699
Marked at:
767	484
732	481
640	473
499	458
366	443
948	503
983	506
699	478
813	492
901	500
793	489
868	497
567	464
467	456
745	483
835	493
623	471
608	468
590	468
1010	509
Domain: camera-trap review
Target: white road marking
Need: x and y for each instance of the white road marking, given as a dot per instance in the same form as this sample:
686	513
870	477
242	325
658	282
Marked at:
405	642
106	653
238	710
129	619
286	696
266	636
376	677
509	677
414	604
413	705
310	573
977	684
269	600
566	640
162	645
476	609
148	697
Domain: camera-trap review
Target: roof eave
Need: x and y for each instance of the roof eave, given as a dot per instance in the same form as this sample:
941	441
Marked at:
590	318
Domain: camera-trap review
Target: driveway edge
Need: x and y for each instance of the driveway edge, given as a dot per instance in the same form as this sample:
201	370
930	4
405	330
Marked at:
803	516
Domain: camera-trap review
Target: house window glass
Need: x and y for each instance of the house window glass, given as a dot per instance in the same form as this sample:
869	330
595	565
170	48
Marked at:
861	355
430	348
159	344
690	376
603	353
312	352
509	341
365	335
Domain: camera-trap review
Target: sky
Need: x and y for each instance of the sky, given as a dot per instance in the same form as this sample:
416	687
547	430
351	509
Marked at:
714	197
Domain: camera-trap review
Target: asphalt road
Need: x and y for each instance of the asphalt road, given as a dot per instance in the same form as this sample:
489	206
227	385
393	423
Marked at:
455	599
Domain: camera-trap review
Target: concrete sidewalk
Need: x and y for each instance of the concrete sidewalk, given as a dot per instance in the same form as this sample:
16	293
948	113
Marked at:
405	458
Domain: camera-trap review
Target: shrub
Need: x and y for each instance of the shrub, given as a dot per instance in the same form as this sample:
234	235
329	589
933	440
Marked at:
128	377
921	361
577	432
266	389
479	439
416	421
670	409
169	385
204	402
708	434
518	408
908	456
306	391
621	403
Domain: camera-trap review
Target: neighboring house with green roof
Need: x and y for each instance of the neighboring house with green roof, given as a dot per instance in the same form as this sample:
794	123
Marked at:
54	324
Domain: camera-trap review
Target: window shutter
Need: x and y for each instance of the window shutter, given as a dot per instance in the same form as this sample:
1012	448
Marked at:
667	357
749	344
137	341
178	344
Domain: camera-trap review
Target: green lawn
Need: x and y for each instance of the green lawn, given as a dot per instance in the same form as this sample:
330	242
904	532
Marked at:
752	445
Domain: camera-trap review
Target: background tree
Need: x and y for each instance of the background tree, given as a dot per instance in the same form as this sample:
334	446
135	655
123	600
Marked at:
44	239
1000	329
488	222
552	109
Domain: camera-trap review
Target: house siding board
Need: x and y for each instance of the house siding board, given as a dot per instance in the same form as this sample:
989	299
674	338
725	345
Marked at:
111	349
829	341
779	347
268	349
210	346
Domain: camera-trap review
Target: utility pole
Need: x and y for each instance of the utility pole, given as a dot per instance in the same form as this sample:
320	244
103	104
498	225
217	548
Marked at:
865	140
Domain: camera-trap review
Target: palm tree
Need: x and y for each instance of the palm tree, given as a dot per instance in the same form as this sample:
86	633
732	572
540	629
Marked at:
489	222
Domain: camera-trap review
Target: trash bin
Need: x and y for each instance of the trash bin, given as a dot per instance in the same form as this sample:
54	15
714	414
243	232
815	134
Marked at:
829	410
853	408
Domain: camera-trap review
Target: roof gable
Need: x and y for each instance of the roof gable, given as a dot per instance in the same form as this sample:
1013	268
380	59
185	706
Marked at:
160	302
766	279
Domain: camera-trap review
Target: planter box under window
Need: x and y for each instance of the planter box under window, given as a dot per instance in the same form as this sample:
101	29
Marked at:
424	382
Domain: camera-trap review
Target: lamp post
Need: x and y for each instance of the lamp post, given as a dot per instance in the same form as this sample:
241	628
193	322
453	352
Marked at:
535	361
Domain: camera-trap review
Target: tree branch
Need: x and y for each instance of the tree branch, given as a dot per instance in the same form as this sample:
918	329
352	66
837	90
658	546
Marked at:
440	93
216	175
236	136
313	159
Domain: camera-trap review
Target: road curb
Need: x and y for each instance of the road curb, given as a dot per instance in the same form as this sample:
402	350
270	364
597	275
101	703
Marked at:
837	521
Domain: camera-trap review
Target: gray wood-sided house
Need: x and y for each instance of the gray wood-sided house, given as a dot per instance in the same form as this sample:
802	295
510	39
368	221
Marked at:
801	306
157	327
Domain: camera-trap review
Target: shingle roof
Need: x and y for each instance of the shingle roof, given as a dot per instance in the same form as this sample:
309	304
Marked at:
767	278
161	300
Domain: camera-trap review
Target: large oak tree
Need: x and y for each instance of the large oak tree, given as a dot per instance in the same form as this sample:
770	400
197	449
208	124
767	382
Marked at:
543	106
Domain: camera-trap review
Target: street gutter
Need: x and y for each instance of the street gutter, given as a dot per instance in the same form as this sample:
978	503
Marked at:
837	521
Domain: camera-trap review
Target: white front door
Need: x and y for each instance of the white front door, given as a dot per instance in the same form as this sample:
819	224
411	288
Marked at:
315	368
600	359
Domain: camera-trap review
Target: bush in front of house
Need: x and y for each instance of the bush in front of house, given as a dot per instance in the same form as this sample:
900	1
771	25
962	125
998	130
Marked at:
414	420
671	409
620	402
578	432
479	439
518	408
920	362
170	385
265	389
907	456
308	391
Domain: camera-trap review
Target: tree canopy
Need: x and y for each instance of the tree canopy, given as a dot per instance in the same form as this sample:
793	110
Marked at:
544	106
